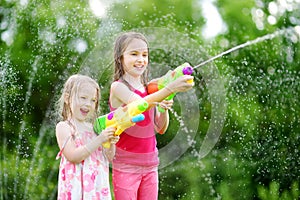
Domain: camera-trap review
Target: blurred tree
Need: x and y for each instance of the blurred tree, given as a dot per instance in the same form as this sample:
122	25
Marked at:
42	42
263	89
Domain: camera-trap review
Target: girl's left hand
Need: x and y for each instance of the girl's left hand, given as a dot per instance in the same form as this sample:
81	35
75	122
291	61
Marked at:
166	104
115	139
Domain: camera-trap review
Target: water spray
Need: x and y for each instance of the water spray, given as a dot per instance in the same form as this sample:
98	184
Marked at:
186	69
248	43
214	132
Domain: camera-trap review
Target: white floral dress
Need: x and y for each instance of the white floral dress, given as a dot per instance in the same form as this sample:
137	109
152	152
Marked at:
88	180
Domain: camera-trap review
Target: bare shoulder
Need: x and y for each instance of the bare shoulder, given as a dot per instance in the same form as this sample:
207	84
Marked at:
119	94
62	128
62	124
118	87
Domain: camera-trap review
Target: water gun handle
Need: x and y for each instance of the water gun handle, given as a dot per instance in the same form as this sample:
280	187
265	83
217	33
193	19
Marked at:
134	119
121	118
184	69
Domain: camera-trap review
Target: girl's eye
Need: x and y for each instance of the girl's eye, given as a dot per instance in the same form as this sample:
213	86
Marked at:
83	97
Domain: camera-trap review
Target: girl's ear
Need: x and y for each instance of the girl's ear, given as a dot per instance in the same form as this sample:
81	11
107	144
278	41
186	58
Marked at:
120	59
66	98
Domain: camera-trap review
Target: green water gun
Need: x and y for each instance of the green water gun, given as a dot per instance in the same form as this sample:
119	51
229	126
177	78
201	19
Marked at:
172	75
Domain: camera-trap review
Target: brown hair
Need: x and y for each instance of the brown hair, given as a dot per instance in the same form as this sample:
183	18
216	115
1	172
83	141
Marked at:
69	92
121	44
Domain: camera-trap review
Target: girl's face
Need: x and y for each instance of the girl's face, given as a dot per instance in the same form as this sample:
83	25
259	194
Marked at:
135	58
84	103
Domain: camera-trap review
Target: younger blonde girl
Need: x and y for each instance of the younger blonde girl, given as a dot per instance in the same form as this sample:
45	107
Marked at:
84	166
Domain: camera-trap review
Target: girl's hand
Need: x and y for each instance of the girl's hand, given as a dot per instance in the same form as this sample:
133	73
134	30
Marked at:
181	84
115	139
108	134
166	104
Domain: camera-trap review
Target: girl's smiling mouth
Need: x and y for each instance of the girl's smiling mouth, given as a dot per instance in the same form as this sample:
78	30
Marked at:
84	111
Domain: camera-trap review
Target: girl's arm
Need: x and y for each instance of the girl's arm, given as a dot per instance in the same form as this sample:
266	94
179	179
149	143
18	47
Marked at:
121	94
110	153
77	154
162	119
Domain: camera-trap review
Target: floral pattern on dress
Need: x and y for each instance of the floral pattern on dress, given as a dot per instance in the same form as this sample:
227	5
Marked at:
86	180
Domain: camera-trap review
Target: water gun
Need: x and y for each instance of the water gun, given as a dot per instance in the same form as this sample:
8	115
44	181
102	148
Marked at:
121	118
172	75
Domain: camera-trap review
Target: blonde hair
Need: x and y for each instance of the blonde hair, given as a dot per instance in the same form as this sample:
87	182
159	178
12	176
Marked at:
69	92
120	46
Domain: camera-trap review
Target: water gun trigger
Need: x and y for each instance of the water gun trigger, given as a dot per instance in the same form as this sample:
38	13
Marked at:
122	118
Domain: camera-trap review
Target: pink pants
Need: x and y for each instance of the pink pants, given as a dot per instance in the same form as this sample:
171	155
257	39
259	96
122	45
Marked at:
135	186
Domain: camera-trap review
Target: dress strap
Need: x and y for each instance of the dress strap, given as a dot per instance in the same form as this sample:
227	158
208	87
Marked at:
62	148
142	94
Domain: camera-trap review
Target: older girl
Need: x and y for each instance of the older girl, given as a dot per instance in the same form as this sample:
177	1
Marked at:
135	165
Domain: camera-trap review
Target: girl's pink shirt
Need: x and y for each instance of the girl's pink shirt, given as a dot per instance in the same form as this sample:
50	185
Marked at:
137	144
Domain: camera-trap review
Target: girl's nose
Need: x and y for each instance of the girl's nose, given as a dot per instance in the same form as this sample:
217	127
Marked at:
140	59
88	103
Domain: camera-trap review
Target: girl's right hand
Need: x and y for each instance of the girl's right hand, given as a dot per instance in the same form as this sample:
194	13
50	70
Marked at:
108	134
181	84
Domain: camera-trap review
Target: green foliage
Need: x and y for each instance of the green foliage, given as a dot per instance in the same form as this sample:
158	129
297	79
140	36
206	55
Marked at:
179	15
219	175
32	175
273	192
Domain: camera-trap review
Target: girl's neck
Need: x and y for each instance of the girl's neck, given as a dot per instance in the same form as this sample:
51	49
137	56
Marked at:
80	125
133	81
